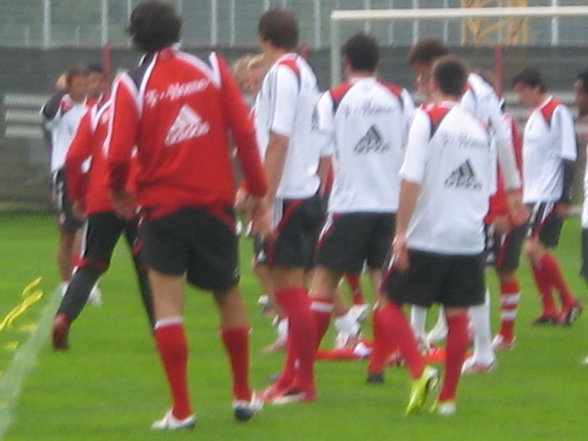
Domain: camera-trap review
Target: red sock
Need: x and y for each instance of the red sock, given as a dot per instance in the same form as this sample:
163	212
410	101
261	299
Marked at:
544	290
288	374
173	351
76	260
510	294
400	334
457	345
236	341
382	346
555	278
302	333
355	285
322	311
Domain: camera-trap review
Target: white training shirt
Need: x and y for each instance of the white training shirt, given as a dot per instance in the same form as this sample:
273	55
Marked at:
452	168
284	106
366	122
481	100
546	142
63	127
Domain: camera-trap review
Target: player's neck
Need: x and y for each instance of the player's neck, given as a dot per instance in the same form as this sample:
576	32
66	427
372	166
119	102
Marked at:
359	74
273	54
77	98
437	97
541	98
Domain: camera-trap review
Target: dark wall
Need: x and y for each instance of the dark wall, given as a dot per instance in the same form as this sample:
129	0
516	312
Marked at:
35	71
23	167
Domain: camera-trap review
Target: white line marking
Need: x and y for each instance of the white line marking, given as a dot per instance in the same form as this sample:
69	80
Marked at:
23	362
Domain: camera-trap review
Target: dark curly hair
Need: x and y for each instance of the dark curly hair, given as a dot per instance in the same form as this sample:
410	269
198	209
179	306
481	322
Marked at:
154	25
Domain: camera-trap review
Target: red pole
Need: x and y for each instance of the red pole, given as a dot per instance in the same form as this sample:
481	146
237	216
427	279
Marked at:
499	68
303	51
107	61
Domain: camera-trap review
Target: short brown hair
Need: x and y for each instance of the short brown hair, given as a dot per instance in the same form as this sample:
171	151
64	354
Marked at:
426	51
451	74
279	27
530	76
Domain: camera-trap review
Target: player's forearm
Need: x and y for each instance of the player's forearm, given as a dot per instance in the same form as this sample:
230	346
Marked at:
118	175
248	155
50	109
569	168
409	193
508	165
323	171
75	180
275	157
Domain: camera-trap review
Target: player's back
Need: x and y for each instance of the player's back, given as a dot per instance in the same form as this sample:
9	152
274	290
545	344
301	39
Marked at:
284	106
183	129
370	128
456	180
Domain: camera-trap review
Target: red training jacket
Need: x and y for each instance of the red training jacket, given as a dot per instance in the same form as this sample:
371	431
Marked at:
178	111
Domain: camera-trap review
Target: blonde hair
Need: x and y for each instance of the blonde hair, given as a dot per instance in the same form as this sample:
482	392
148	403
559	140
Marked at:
241	64
256	61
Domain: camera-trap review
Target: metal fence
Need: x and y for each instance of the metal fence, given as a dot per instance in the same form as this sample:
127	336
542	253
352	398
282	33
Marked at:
232	23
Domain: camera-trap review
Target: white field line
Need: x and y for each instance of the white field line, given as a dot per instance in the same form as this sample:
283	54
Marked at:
23	362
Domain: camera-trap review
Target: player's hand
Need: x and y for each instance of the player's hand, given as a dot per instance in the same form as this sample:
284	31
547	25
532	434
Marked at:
400	259
519	212
124	203
502	224
79	210
261	215
242	200
563	210
61	82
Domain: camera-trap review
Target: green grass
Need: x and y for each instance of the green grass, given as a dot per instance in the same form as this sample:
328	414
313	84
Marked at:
109	386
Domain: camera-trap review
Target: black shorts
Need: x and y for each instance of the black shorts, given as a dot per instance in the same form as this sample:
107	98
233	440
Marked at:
101	234
63	204
584	267
503	251
544	223
451	280
298	225
198	242
348	240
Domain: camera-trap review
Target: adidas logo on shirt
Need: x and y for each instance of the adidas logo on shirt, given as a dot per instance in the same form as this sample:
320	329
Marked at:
371	142
187	125
463	177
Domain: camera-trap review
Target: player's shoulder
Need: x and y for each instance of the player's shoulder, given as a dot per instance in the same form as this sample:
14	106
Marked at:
394	89
478	86
338	92
553	106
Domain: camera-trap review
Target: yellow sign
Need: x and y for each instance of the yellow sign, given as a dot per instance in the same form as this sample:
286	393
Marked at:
31	295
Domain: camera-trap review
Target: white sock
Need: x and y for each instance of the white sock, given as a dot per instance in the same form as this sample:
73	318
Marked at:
439	331
346	323
418	321
480	324
282	329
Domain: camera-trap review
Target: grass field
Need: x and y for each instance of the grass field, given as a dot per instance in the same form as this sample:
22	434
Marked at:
109	386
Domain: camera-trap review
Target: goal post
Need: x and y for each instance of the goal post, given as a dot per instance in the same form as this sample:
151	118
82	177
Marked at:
339	17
